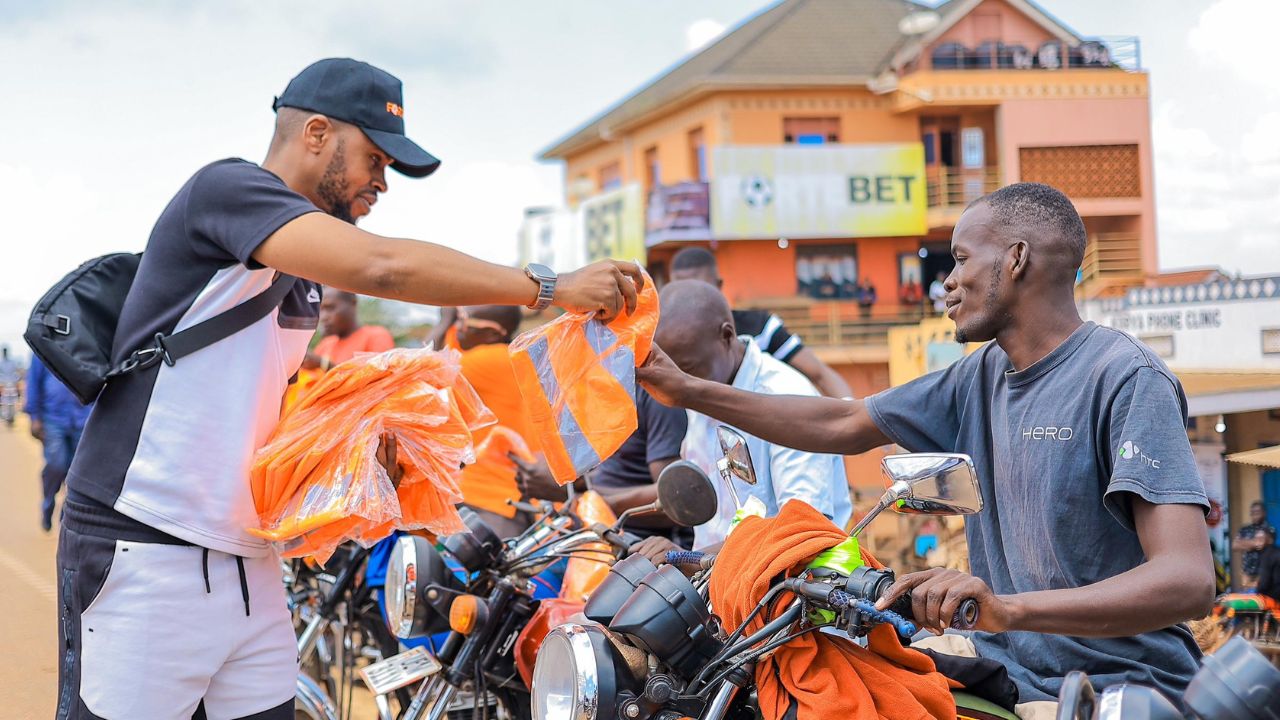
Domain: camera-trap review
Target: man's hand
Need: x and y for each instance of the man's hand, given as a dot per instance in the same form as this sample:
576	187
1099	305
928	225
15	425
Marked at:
605	287
535	481
311	361
387	458
37	429
662	378
936	594
655	548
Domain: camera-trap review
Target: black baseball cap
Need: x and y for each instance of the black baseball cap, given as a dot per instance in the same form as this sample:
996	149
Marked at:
371	99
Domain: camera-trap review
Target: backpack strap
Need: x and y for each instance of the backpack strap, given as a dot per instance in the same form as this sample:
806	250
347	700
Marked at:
205	333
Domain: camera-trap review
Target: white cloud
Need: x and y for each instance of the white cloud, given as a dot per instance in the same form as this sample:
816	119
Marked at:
702	32
1237	36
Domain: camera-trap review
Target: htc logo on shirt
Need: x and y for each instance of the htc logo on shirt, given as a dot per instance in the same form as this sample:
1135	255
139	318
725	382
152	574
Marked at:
1049	432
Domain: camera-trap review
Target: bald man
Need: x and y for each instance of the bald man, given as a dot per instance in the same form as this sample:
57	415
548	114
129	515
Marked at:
1092	547
698	333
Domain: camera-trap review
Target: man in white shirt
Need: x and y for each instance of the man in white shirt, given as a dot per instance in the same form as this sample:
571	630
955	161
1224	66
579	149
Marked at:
698	333
938	293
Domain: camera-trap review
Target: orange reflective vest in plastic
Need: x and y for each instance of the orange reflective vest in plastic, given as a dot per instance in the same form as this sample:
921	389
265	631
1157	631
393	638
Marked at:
577	377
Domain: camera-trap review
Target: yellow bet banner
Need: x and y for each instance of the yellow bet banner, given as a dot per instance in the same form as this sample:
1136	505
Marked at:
798	191
613	224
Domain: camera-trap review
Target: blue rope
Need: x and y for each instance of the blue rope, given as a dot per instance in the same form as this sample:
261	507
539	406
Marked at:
684	557
905	627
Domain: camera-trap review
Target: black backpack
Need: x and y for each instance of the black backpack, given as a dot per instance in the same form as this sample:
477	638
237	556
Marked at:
72	328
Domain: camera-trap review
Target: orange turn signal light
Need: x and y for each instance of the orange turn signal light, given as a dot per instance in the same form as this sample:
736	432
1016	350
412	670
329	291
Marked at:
466	613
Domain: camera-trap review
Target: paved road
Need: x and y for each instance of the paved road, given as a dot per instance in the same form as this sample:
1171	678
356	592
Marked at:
28	596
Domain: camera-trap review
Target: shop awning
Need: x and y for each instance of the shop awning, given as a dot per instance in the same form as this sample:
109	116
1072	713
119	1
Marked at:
1226	392
1265	457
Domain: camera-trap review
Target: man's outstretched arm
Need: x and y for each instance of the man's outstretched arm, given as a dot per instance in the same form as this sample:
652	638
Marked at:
812	424
1175	584
329	251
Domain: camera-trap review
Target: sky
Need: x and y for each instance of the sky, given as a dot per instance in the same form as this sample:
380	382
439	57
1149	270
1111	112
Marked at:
110	106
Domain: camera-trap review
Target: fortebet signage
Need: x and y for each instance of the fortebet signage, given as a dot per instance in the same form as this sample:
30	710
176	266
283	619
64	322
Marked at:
610	225
613	225
823	191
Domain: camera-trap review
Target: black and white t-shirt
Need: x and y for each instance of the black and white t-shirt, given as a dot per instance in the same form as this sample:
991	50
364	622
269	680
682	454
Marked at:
769	333
171	447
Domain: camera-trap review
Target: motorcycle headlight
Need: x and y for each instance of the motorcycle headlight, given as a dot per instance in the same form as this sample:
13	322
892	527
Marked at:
413	567
576	676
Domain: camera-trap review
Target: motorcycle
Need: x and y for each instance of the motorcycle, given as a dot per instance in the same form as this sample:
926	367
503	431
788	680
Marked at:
1235	683
652	648
340	629
491	615
1254	617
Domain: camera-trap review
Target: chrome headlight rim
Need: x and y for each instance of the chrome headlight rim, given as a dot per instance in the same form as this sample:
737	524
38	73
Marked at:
594	676
402	586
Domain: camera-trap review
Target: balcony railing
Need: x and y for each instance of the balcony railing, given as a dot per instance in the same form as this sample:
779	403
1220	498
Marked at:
1123	52
1112	257
821	323
949	187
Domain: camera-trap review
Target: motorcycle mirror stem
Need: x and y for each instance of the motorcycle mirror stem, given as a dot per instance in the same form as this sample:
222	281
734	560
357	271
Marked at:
897	491
647	509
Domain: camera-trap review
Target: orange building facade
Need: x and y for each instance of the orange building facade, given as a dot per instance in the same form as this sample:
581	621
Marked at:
972	95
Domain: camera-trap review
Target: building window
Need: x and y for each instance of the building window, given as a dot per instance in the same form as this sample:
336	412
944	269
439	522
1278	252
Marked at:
1271	341
652	171
1161	345
810	131
698	155
1084	171
610	177
827	272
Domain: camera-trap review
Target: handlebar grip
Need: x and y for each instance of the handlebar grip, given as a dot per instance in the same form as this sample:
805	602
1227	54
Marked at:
964	618
685	557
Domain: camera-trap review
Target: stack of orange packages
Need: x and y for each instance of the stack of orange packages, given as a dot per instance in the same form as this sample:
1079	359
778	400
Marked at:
318	482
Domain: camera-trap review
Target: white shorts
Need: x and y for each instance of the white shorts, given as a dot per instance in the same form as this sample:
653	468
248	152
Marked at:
162	631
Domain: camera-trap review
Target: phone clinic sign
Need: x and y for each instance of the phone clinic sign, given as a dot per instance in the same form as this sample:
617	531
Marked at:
818	191
1222	325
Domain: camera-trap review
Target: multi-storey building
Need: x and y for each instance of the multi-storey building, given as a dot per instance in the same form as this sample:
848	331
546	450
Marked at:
822	143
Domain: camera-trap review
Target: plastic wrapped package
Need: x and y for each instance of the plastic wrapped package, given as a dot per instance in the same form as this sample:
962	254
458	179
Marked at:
577	377
318	483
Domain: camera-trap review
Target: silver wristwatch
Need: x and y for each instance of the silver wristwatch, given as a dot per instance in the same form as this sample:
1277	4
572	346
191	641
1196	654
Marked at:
546	279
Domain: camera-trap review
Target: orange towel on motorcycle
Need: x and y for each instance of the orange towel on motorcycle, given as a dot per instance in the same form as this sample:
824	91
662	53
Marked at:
826	677
318	483
577	377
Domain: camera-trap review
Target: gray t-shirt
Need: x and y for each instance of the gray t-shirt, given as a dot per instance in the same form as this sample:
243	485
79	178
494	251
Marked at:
1060	449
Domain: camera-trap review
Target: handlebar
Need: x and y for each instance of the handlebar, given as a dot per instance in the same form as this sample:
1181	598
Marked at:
899	614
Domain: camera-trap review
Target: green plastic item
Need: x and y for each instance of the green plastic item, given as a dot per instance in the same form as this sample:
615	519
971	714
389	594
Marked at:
842	559
965	701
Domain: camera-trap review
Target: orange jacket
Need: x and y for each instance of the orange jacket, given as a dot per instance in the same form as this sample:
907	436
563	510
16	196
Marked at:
317	482
577	377
824	676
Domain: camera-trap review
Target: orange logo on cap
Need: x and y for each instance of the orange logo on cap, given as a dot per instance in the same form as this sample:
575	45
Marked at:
395	109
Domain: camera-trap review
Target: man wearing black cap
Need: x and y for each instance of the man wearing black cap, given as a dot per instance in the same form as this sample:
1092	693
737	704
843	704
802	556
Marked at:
169	607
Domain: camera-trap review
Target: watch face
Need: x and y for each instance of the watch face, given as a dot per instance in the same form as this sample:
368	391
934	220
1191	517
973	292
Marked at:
540	271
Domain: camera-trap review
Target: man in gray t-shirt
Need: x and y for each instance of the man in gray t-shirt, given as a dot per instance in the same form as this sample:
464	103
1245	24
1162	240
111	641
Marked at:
1092	547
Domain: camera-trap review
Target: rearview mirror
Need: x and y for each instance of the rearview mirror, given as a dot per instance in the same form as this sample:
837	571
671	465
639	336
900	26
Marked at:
928	484
736	462
686	494
937	483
